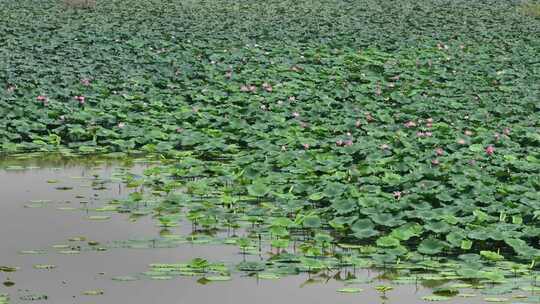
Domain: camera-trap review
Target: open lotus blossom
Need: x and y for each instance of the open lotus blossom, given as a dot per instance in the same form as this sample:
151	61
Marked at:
43	99
397	194
429	125
424	134
378	90
357	124
369	118
490	150
439	151
429	120
461	141
11	89
506	131
292	98
263	107
435	162
81	99
244	88
497	136
267	87
283	148
468	133
349	142
339	142
385	147
121	125
410	124
295	114
306	146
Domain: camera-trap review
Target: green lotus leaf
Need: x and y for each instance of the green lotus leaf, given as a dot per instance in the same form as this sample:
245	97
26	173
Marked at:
491	256
344	206
431	246
312	221
435	298
387	241
350	290
258	189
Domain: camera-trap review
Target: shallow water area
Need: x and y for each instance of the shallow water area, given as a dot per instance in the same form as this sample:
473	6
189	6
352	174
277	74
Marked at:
67	252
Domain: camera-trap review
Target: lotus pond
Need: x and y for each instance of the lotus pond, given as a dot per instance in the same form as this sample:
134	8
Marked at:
363	152
95	231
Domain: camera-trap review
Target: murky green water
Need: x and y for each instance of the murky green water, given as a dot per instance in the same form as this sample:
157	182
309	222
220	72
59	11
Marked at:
48	221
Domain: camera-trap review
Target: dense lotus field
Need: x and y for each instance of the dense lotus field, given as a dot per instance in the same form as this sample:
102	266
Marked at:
377	133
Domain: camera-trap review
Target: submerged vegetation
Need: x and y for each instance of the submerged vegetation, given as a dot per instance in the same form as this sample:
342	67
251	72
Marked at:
400	135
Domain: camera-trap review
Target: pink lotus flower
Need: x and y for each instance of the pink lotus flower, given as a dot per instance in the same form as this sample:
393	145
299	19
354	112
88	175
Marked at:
267	87
397	194
11	89
497	136
378	90
490	150
420	134
369	118
283	148
349	143
410	124
357	124
244	88
439	151
429	120
435	162
506	131
429	125
252	88
292	98
306	146
428	134
468	133
85	82
461	141
121	125
339	142
80	99
295	114
385	147
263	107
43	99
